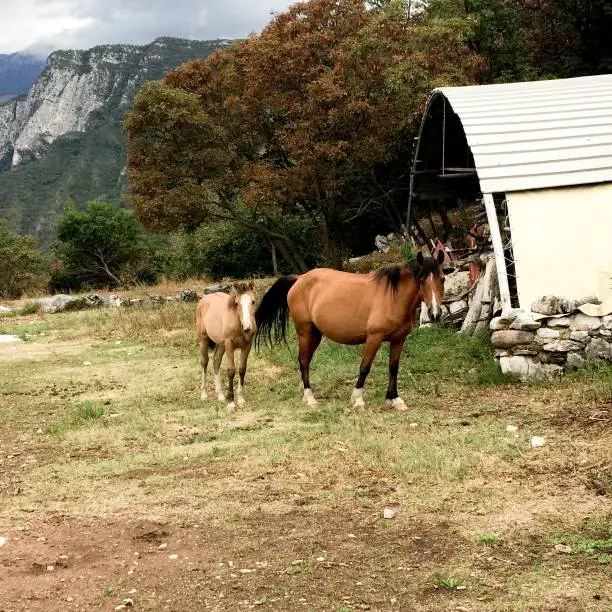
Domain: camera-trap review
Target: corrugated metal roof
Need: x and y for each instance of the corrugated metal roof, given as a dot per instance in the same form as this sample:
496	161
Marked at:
537	134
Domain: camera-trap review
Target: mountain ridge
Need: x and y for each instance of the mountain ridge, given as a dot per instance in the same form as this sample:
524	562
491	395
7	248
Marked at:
72	115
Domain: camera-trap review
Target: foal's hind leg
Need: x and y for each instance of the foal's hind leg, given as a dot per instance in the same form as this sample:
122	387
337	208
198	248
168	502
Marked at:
217	358
244	355
393	399
203	350
369	352
309	338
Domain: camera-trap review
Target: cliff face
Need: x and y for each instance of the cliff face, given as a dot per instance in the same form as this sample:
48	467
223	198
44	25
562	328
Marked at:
74	84
71	114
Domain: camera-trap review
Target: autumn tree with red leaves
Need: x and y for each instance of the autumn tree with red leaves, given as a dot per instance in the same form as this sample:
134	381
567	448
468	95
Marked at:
312	118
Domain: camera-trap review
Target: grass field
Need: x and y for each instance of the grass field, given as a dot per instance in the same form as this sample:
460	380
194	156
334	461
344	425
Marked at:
118	482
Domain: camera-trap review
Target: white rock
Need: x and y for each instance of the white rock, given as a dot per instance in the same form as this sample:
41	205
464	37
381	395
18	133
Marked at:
582	322
87	363
547	305
545	333
3	541
456	285
525	321
563	346
56	303
560	322
508	338
598	348
5	310
563	548
457	306
508	317
574	361
115	301
496	324
537	441
524	367
172	557
580	336
388	513
511	429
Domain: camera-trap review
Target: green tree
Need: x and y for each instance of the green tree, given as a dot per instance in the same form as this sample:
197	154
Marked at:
94	245
21	266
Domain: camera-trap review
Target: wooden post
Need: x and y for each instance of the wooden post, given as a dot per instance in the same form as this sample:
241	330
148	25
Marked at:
498	249
473	314
487	297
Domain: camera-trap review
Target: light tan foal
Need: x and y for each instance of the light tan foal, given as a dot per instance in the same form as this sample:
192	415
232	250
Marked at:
226	322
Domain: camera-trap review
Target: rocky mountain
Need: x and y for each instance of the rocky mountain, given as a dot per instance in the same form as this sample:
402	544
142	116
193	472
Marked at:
62	142
18	72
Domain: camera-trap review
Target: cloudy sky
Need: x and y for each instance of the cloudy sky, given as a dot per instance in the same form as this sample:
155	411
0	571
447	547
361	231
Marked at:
80	24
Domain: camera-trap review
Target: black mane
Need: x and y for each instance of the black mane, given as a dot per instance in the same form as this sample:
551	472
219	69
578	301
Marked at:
391	274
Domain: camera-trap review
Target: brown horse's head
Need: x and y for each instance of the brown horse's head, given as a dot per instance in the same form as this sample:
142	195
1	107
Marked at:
429	274
242	298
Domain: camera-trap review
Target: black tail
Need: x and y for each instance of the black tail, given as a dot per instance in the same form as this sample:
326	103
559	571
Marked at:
271	314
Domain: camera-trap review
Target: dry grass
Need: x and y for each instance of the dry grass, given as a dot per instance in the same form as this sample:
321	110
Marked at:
103	432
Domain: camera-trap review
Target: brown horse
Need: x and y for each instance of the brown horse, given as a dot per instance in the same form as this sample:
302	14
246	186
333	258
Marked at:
226	322
353	309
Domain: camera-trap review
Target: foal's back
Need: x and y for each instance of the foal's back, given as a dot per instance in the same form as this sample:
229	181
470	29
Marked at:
210	315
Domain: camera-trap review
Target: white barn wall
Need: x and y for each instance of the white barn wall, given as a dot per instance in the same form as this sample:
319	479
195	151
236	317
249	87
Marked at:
562	242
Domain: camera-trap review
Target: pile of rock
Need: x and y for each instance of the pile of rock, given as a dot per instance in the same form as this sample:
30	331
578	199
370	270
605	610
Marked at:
62	302
555	335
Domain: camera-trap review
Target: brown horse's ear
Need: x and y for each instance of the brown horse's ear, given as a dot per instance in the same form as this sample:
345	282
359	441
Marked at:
440	257
420	259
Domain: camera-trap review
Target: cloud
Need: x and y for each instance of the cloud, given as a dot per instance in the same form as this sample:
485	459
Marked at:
81	24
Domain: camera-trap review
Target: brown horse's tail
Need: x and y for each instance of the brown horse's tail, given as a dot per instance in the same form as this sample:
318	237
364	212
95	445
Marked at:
272	313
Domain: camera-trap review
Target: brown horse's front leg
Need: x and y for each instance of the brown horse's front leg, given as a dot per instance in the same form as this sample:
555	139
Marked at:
395	351
369	352
231	372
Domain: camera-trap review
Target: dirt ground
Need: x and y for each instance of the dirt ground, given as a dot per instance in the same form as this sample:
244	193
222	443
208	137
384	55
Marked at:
219	533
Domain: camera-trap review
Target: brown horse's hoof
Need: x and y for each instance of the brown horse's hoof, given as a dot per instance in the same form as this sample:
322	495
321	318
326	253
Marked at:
231	406
397	403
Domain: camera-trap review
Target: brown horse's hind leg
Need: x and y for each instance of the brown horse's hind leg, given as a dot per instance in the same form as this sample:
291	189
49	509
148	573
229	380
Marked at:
393	399
369	352
217	358
203	350
309	338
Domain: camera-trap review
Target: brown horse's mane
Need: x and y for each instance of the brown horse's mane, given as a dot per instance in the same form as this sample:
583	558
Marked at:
391	274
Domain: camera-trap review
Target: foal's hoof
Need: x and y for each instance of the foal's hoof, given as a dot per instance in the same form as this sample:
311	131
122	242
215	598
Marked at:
397	403
309	398
231	405
221	397
203	395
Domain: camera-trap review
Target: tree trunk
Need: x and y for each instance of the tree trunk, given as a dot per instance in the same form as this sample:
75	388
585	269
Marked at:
332	244
274	262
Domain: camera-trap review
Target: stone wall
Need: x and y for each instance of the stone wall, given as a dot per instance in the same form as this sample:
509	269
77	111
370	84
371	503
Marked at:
554	336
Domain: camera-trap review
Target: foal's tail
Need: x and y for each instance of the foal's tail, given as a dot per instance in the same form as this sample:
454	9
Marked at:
272	313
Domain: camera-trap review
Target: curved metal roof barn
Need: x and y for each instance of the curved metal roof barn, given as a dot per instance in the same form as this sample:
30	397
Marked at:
545	149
